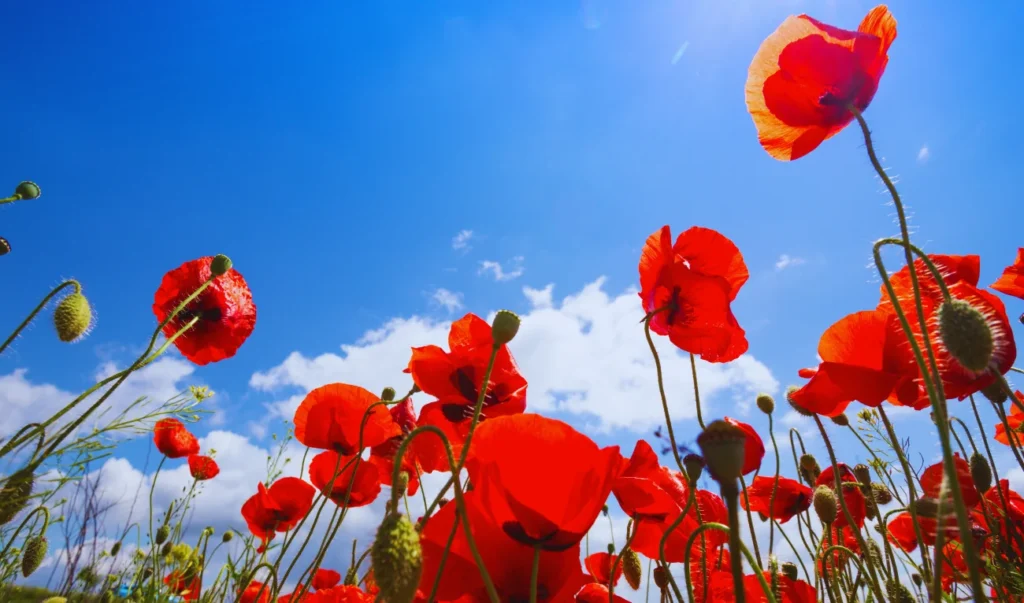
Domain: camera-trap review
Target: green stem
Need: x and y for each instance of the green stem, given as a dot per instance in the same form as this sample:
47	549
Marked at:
696	390
618	561
444	557
796	552
769	596
534	574
690	500
775	487
736	562
39	308
12	536
661	389
750	519
485	384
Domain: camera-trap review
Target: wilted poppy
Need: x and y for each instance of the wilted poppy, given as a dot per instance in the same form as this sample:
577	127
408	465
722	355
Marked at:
255	592
806	75
1011	282
455	379
1015	419
403	415
186	586
509	563
325	578
791	497
358	480
278	508
173	439
202	467
854	498
931	480
695	279
597	593
600	567
864	357
225	311
753	447
551	490
331	416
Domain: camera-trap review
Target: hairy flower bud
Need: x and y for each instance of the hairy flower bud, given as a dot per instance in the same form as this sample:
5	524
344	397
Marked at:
15	494
220	265
27	190
227	536
995	392
398	489
881	493
789	570
981	473
694	465
809	468
631	567
604	509
115	549
841	419
32	557
897	592
918	581
660	578
72	318
611	548
397	559
825	504
800	410
167	549
926	507
722	445
863	474
504	327
966	334
766	403
162	533
388	394
442	502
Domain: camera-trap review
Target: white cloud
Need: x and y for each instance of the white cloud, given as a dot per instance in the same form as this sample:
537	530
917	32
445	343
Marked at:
513	269
923	155
450	301
586	357
787	261
460	242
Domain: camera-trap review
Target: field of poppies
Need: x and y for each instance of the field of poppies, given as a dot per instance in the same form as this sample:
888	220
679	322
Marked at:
511	525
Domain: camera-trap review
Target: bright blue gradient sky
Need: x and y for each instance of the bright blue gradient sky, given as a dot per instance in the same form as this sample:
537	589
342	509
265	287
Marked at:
335	151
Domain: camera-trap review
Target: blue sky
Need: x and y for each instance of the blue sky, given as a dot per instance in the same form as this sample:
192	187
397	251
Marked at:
335	152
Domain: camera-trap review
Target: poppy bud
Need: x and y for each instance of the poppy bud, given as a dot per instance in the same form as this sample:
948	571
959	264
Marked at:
825	504
220	265
918	581
789	570
694	466
604	510
27	190
166	549
766	403
722	445
841	420
35	552
15	495
631	567
800	410
162	533
810	468
881	493
227	536
995	393
397	559
115	549
966	334
388	394
926	507
441	503
660	578
863	474
898	593
5	247
981	473
504	327
72	318
351	579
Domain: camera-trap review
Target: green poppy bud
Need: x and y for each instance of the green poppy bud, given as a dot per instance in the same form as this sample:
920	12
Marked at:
841	419
825	504
32	557
15	494
388	394
397	559
981	473
162	533
27	191
766	403
72	318
504	327
220	265
966	334
227	536
631	567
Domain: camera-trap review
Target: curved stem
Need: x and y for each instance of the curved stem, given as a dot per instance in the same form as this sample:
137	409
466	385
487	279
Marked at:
796	552
696	390
39	308
769	596
750	520
775	486
661	389
618	561
690	499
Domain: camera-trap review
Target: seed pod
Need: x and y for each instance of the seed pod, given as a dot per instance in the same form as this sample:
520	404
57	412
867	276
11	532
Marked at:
397	559
15	494
35	552
966	334
722	444
631	567
504	327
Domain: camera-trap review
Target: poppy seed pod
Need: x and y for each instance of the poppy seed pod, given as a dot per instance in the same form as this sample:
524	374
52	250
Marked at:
631	567
162	533
863	474
220	264
15	494
32	557
825	504
694	466
397	559
723	445
660	578
27	190
388	394
789	570
5	247
966	334
995	392
981	473
504	327
841	419
881	493
72	318
766	403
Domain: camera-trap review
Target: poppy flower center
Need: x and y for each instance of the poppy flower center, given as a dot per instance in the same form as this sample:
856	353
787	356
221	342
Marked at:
678	308
464	380
211	314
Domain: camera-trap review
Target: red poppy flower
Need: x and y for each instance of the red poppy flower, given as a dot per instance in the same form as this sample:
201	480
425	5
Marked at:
855	502
339	594
1015	419
403	415
864	357
552	489
931	481
600	567
331	416
509	563
1014	510
188	588
173	439
654	496
455	378
225	310
900	530
202	467
325	578
255	592
278	508
1011	282
791	497
789	591
753	449
805	76
793	591
842	536
597	593
294	597
359	480
696	279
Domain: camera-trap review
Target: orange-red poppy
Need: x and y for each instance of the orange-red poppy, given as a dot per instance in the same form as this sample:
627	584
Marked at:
325	578
551	489
695	279
255	592
225	310
853	497
600	567
931	480
202	467
278	508
839	535
1015	419
791	497
357	483
508	562
864	357
597	593
173	439
403	415
900	529
806	75
339	594
753	447
455	378
330	418
185	586
721	589
1011	282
